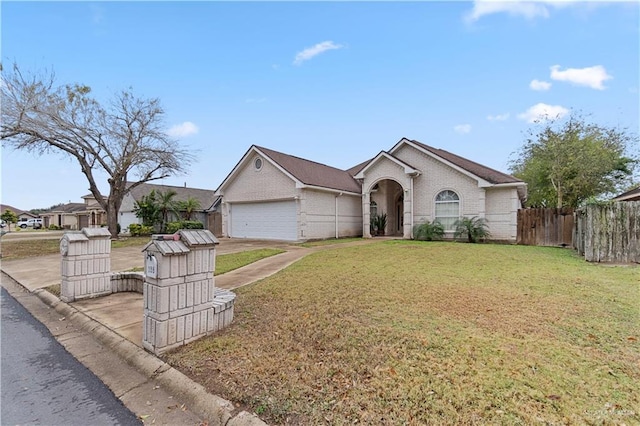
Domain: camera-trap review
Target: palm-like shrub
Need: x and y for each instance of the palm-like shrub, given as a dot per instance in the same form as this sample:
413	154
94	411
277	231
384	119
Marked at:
472	229
378	224
428	231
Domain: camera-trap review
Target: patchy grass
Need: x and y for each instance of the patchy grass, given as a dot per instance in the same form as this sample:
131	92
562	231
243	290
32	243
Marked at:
41	247
330	241
54	289
405	332
29	248
228	262
130	242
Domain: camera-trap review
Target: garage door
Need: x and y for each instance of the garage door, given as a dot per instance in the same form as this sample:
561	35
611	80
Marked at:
276	220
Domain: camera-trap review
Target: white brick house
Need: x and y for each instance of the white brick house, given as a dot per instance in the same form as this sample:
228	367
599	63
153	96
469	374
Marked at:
271	195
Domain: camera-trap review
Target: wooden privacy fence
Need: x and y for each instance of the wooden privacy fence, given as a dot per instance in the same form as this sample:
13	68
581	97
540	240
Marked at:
545	227
609	233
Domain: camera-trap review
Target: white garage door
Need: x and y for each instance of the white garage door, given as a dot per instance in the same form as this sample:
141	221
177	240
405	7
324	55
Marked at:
276	220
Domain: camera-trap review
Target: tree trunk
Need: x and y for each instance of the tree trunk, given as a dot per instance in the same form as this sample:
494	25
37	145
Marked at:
112	220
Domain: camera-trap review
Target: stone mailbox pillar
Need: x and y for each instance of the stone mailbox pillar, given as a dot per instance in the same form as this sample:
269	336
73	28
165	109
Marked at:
86	264
180	300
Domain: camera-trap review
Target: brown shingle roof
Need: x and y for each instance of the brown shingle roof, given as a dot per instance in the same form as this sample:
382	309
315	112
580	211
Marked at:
312	173
355	169
484	172
631	195
69	208
206	197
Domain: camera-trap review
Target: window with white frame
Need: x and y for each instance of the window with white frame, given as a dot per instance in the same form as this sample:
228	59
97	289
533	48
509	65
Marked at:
447	209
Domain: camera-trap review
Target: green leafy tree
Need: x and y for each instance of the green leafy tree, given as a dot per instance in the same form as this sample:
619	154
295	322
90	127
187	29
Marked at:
566	163
147	209
10	217
122	138
473	229
189	207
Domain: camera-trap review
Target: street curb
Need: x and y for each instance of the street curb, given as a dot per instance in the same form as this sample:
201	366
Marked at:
214	409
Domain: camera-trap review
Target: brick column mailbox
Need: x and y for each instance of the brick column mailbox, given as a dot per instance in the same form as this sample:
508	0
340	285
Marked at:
86	264
181	303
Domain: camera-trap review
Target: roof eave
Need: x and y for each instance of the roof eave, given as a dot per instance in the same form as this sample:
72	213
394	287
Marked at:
332	190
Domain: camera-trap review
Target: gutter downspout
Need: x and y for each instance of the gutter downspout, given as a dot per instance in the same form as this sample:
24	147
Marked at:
337	233
412	219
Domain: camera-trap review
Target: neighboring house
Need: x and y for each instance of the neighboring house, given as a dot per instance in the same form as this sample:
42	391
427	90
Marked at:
271	195
87	214
205	197
64	216
21	214
632	195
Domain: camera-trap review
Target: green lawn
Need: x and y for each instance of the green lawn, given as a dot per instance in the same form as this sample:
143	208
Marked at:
228	262
402	332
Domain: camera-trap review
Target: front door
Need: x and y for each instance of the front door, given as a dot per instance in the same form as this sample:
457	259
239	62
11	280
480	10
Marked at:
400	215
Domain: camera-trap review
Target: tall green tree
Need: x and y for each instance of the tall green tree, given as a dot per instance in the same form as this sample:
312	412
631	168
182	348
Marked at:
125	138
567	162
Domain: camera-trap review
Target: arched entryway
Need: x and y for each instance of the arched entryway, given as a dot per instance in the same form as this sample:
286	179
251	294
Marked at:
387	198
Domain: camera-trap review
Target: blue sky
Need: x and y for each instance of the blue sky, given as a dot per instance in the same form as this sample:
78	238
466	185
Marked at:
333	82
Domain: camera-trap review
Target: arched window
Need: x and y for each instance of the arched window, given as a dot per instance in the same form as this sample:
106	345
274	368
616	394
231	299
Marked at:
447	209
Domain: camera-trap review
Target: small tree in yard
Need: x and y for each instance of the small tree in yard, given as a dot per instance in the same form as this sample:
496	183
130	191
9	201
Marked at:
189	207
147	209
123	138
9	217
472	229
166	204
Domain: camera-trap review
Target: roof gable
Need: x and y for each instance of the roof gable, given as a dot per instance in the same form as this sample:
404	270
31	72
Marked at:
303	172
487	174
410	170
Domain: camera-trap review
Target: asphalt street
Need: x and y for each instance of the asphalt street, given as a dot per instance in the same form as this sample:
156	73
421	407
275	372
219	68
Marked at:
42	384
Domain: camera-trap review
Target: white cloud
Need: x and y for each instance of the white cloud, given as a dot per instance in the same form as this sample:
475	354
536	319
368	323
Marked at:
498	117
593	77
543	112
540	86
527	9
310	52
183	130
462	128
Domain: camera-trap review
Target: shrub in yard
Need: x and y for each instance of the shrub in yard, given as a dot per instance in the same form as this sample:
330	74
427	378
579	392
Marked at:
472	229
173	227
428	231
54	227
137	230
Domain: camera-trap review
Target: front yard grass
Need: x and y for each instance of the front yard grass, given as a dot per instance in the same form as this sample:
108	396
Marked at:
41	247
228	262
403	332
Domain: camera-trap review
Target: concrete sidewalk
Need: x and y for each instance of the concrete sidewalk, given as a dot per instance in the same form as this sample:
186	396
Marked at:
114	323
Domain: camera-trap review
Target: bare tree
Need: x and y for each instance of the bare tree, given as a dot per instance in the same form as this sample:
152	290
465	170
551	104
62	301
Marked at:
126	139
